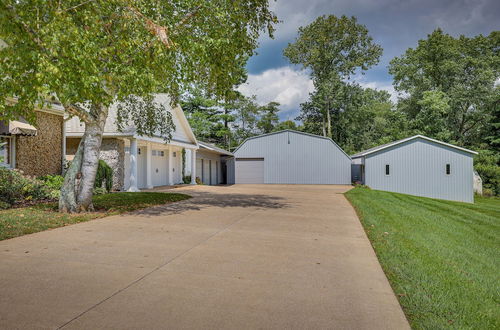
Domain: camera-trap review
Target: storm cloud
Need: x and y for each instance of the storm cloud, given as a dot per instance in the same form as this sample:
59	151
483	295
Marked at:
395	25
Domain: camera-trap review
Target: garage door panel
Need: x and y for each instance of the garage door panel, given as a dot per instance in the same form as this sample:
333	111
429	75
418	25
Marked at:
250	170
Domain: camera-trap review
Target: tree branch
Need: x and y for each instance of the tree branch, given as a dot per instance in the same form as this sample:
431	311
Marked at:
80	112
79	5
188	16
159	31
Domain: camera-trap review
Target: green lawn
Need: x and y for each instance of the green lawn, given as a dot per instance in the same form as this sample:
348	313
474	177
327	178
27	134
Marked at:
27	220
442	258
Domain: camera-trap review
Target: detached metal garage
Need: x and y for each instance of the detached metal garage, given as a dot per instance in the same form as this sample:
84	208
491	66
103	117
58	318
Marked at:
418	166
291	157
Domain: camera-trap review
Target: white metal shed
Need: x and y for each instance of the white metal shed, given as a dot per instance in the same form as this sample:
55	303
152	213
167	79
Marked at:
419	166
291	157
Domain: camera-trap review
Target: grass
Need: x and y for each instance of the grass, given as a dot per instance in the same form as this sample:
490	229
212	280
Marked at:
27	220
442	258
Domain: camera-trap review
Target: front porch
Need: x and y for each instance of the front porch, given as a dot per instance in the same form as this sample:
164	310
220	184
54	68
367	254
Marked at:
150	164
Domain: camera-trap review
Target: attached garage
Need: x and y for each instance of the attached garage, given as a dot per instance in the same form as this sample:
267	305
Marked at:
291	157
211	162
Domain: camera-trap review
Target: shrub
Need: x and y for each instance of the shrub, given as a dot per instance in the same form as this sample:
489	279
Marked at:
16	188
198	180
486	163
187	179
99	191
488	192
53	182
104	176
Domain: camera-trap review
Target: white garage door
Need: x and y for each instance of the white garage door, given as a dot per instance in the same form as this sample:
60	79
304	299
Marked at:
249	170
159	167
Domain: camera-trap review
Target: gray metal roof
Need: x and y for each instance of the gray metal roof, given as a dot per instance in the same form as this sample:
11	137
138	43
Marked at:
293	131
211	147
394	143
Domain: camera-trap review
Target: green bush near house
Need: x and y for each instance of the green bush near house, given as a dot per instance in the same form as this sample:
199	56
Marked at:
104	176
15	188
186	179
53	182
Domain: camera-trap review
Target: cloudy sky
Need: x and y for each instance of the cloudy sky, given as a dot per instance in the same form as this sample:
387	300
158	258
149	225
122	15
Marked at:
394	24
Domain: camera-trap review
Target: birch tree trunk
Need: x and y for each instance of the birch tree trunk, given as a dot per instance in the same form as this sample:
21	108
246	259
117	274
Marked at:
329	123
77	190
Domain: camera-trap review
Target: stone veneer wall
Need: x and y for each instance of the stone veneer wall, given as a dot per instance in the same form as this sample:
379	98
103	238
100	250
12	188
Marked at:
41	154
112	152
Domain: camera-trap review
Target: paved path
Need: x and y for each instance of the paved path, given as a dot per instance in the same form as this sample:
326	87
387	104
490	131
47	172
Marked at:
238	257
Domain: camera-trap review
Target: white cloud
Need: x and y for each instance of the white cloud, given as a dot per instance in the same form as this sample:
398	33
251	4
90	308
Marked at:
386	86
285	85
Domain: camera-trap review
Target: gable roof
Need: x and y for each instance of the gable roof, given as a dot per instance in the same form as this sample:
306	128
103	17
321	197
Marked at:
394	143
296	132
211	147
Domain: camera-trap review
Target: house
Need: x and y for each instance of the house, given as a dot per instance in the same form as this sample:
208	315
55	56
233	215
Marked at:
139	162
291	157
418	166
213	164
34	149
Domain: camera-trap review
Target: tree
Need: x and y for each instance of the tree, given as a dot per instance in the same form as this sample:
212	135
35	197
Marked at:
246	111
333	49
268	117
451	80
287	124
89	54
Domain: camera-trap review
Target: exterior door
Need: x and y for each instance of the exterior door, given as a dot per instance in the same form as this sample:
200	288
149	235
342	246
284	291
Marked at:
159	167
141	167
206	171
249	170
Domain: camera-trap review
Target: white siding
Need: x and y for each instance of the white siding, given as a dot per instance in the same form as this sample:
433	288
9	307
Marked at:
208	158
296	158
74	125
418	167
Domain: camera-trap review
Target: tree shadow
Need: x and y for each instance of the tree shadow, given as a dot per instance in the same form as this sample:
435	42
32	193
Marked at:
201	200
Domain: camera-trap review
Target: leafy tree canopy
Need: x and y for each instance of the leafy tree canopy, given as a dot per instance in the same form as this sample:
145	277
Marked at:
449	82
101	50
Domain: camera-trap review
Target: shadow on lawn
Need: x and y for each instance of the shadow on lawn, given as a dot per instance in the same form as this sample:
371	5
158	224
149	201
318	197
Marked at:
202	200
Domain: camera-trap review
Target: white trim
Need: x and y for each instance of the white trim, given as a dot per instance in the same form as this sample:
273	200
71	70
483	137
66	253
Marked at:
182	144
184	122
362	154
12	152
52	108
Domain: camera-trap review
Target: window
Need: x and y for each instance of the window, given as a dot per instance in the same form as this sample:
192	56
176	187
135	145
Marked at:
138	151
175	154
448	169
5	151
154	153
387	169
162	153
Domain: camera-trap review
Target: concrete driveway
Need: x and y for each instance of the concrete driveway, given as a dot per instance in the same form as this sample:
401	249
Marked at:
238	257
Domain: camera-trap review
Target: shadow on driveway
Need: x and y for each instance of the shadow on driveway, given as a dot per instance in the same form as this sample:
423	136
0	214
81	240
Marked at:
203	199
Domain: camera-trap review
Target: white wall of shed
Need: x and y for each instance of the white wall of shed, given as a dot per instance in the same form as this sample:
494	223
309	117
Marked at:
418	168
